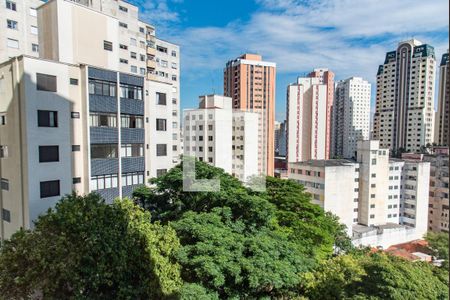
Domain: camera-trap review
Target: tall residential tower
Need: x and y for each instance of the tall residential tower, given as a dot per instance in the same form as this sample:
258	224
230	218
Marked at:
250	82
404	113
442	131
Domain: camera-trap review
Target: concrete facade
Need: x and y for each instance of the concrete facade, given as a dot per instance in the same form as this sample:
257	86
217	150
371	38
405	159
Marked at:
351	116
250	82
442	132
404	113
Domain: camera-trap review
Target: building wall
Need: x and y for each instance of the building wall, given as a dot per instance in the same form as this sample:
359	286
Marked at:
245	158
438	212
351	116
442	132
404	115
250	82
25	16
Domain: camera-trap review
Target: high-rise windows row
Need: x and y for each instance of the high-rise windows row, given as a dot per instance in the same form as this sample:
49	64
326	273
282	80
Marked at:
102	88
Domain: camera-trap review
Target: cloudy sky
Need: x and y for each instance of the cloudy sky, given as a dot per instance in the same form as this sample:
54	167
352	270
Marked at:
350	37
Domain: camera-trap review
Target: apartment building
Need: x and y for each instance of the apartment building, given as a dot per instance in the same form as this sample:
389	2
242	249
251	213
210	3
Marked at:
19	31
250	82
309	109
404	112
280	139
442	132
78	119
223	137
351	116
438	208
382	201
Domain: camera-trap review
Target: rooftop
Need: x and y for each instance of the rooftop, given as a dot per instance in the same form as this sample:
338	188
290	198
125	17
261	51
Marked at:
326	162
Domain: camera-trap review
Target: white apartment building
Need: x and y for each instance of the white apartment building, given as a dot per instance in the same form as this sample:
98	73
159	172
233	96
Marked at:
223	137
73	120
351	116
19	31
306	119
404	113
382	201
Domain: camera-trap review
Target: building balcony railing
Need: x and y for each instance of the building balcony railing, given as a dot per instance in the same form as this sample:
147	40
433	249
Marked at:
102	166
104	135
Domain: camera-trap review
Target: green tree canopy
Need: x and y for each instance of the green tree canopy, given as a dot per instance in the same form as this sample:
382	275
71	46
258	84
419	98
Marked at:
241	243
438	242
376	276
87	249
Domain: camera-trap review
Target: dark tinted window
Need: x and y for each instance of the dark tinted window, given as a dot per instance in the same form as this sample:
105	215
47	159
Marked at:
73	81
104	151
161	124
46	82
48	153
50	188
47	118
76	180
161	99
6	215
161	150
107	46
76	148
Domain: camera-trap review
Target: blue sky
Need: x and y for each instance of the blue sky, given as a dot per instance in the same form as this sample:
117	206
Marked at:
350	37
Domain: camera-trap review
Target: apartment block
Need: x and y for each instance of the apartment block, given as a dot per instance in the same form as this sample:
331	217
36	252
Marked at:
250	82
404	113
382	201
351	116
309	110
442	132
223	137
280	139
19	29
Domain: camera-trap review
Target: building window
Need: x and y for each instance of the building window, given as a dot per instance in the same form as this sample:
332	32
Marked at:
104	182
102	120
2	119
160	172
50	188
123	61
33	12
161	99
174	53
174	148
47	118
133	55
174	136
372	205
161	49
73	81
132	150
6	215
161	150
34	30
76	148
108	46
4	184
174	77
210	159
374	161
123	25
161	125
3	151
75	115
210	138
103	151
133	69
132	178
45	82
133	42
141	29
131	91
122	46
11	24
102	88
11	5
123	8
372	216
11	43
76	180
48	154
142	71
131	121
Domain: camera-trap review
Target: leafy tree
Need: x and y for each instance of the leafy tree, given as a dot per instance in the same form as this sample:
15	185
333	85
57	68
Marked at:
87	249
374	276
439	244
241	243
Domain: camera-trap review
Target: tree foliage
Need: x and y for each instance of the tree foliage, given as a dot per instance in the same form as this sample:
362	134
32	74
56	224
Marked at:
376	276
439	244
87	249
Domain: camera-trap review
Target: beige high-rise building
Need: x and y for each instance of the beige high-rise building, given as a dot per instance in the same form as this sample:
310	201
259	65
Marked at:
404	113
309	109
250	82
19	29
442	128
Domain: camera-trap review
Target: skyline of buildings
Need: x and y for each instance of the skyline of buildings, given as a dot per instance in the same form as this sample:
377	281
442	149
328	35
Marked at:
100	111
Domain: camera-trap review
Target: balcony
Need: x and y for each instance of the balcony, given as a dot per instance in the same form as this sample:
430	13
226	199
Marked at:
133	164
108	194
132	106
151	50
151	64
101	166
98	103
104	135
132	135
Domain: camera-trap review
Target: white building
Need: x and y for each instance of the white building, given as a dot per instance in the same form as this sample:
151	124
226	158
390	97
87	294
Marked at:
351	116
18	31
381	201
221	136
404	113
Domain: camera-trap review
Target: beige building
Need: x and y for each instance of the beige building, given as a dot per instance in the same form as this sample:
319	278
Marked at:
404	112
19	31
250	82
381	201
442	131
